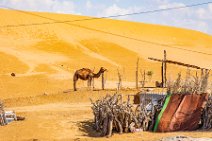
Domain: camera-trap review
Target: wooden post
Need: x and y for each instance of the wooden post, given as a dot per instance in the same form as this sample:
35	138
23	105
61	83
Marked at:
144	78
103	81
120	80
162	81
165	80
136	74
92	82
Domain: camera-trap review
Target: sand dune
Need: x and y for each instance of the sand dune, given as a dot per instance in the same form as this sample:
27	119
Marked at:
55	51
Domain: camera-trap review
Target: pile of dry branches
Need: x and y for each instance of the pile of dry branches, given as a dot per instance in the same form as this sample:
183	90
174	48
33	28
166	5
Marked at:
2	117
112	114
1	106
207	115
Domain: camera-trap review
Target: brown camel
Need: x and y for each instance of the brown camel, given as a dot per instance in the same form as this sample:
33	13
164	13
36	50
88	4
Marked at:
86	74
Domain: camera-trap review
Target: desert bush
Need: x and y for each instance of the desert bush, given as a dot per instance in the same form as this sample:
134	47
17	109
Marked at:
191	84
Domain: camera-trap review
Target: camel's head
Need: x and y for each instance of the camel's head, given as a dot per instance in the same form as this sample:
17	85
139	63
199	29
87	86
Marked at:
102	69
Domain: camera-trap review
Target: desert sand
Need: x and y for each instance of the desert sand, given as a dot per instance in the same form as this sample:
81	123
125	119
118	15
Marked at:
44	58
68	117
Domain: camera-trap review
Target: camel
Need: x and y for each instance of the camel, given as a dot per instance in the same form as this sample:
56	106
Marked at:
86	74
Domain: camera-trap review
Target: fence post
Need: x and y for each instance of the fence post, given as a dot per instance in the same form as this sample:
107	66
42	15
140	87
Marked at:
120	80
103	81
136	74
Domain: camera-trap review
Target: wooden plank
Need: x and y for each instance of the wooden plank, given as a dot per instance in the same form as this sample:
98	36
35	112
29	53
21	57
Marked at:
177	63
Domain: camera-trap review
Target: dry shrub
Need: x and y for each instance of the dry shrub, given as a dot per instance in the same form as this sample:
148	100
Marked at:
191	84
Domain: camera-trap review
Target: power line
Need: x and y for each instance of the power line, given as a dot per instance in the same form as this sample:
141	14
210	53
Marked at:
110	33
104	17
140	40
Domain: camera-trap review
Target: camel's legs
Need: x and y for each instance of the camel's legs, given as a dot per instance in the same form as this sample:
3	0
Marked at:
75	78
93	83
89	82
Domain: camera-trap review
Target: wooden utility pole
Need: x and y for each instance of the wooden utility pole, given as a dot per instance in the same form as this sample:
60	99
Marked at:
162	74
136	74
164	59
163	70
103	81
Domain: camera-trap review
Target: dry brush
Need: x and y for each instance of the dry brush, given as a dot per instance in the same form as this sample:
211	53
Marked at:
111	114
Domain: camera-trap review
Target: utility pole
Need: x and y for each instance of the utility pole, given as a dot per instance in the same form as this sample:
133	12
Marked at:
163	70
164	59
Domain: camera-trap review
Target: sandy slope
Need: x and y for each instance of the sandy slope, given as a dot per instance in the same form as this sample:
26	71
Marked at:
46	56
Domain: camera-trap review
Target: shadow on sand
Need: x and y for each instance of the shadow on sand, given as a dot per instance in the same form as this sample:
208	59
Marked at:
87	127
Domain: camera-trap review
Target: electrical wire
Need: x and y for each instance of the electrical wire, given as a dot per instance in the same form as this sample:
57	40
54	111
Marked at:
110	33
104	17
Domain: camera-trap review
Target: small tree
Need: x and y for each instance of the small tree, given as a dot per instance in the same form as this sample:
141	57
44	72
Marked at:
143	76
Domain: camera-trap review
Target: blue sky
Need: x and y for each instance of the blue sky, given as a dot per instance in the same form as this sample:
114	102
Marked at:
197	18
